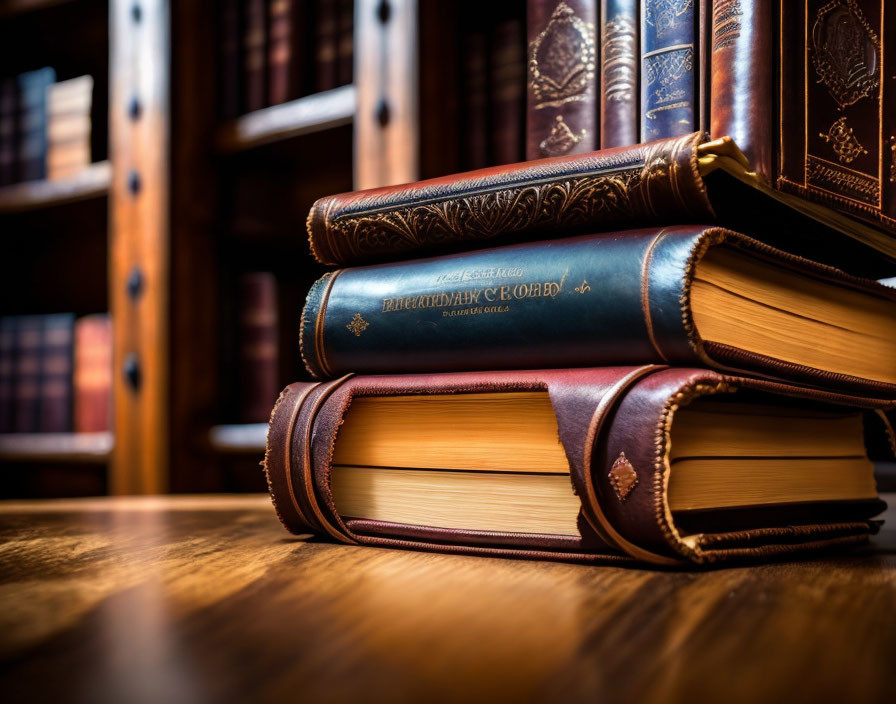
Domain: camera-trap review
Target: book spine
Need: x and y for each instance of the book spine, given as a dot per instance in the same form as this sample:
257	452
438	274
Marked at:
93	374
255	55
476	119
29	334
669	68
7	373
259	359
68	126
562	85
619	74
57	351
346	43
230	57
647	183
742	83
326	44
508	79
563	303
8	131
280	51
33	123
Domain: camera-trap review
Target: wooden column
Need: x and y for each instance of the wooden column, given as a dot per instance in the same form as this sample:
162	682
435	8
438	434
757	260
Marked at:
139	242
387	130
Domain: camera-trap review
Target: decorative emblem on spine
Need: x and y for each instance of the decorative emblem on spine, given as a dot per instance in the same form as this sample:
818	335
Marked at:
583	287
358	325
562	59
623	477
663	15
846	52
843	141
726	19
561	139
620	65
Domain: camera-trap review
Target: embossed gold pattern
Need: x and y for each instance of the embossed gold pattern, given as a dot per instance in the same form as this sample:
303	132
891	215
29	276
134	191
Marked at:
846	52
561	139
583	287
358	325
664	15
619	60
726	21
663	71
562	59
843	141
623	477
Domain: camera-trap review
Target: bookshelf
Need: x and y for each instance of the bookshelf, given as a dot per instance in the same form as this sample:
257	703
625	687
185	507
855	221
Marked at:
92	182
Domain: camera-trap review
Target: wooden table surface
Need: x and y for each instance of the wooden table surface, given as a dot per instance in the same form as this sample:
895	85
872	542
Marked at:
189	599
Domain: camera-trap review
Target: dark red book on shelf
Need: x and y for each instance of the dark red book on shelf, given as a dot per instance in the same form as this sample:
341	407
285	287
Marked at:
57	351
229	70
508	78
255	55
286	32
93	373
258	342
7	373
29	334
8	129
326	44
345	49
475	68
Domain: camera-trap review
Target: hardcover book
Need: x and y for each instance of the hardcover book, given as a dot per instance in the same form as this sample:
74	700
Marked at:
32	123
285	53
508	80
255	54
611	464
620	73
69	126
682	180
93	374
326	51
259	358
28	356
678	295
562	84
57	355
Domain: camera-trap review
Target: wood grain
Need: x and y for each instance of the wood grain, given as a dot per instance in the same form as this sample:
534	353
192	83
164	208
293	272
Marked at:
209	599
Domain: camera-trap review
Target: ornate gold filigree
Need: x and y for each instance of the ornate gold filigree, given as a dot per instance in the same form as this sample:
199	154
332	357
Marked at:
620	65
670	66
843	141
561	139
846	52
664	15
623	477
827	176
562	59
583	287
358	325
726	19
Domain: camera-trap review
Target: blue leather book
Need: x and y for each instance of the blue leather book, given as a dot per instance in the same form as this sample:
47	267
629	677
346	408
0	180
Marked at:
33	122
670	57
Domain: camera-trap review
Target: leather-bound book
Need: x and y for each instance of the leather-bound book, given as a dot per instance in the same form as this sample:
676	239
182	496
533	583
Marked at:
69	126
670	68
682	180
28	363
345	50
258	345
287	41
255	54
562	82
57	352
686	295
7	373
33	122
326	43
508	81
615	464
620	117
230	69
8	131
93	374
476	103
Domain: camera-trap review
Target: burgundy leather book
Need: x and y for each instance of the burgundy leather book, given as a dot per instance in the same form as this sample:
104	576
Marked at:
562	83
620	487
258	345
285	50
674	181
346	43
508	80
28	355
57	353
230	68
475	118
93	374
255	54
326	39
620	116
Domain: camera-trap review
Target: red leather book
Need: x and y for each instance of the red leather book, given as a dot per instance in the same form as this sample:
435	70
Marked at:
345	50
57	353
255	55
258	345
28	364
563	79
619	73
622	454
286	50
230	68
667	182
508	80
93	374
326	42
475	118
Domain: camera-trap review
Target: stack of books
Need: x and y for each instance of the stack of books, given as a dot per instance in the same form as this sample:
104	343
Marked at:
668	352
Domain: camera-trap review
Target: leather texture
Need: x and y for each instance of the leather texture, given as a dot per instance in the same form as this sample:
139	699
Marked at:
582	301
620	73
600	412
656	182
562	81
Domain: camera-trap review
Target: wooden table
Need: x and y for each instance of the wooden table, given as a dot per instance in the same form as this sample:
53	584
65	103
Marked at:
190	599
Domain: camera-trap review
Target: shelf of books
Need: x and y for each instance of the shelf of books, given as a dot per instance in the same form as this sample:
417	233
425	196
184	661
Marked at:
91	181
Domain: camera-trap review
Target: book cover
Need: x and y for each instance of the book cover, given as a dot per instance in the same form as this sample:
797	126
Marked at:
57	361
255	54
287	39
508	80
476	102
32	140
258	345
93	374
619	73
69	126
346	43
28	372
326	43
